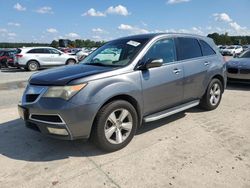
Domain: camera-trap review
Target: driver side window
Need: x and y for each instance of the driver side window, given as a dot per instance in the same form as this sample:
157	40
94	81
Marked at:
163	49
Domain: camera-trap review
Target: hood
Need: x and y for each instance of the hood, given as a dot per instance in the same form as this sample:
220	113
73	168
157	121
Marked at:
235	62
63	75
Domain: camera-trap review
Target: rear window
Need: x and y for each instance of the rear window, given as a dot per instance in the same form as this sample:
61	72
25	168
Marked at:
206	49
188	48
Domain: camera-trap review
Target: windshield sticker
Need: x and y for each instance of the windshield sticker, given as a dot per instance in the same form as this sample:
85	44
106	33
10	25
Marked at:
133	43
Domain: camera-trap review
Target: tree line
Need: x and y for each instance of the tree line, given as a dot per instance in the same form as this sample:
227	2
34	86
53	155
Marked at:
219	39
225	39
55	43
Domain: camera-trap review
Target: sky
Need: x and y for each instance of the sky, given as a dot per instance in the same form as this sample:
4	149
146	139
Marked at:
47	20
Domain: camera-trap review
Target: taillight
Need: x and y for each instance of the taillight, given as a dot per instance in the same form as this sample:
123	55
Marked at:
19	55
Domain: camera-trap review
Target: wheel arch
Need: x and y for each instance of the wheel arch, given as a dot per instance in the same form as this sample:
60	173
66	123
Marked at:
126	98
33	60
219	77
69	60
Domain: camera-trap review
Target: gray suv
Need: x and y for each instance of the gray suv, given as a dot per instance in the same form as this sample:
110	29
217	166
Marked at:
125	82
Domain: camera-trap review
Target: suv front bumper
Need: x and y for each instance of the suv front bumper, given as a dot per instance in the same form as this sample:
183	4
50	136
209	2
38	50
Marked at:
58	118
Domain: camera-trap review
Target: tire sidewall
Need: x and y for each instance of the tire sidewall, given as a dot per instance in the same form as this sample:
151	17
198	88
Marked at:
101	120
70	62
33	62
210	106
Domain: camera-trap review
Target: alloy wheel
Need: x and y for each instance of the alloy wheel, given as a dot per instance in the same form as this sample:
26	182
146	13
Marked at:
215	94
118	126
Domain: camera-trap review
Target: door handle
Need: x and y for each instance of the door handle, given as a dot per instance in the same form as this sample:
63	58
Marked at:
176	71
207	63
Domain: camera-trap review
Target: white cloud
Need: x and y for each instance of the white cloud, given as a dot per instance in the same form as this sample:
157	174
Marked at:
3	30
119	10
94	13
177	1
97	30
222	17
132	29
236	26
72	35
52	30
11	34
19	7
45	10
125	27
13	24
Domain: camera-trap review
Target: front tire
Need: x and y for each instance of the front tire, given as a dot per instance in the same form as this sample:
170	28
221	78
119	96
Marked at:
115	125
213	95
70	62
33	66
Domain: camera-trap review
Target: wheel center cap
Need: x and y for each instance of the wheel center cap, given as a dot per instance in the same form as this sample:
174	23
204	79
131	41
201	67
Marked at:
118	123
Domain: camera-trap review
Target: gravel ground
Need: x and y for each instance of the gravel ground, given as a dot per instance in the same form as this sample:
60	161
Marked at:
189	149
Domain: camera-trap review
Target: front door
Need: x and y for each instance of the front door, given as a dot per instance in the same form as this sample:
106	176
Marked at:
162	86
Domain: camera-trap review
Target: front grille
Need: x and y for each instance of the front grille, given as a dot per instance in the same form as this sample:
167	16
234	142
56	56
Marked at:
232	70
245	71
31	97
47	118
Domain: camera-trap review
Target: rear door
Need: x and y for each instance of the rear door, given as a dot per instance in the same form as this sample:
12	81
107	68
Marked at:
195	67
162	86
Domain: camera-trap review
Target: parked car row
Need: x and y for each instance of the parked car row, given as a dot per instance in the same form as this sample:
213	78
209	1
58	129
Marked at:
233	50
238	68
34	58
7	58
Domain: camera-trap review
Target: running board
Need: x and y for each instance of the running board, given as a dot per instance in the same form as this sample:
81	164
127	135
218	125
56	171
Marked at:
171	111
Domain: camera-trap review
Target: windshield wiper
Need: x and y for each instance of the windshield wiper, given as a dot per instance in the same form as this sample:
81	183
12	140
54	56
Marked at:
101	64
96	64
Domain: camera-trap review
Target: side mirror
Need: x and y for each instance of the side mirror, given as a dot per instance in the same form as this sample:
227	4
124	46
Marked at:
151	63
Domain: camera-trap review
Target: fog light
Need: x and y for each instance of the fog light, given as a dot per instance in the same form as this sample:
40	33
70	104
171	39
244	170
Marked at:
58	131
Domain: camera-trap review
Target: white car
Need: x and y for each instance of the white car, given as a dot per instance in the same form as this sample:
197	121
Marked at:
232	50
34	58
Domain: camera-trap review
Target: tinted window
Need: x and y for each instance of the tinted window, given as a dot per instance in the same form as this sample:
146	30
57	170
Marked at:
39	51
35	51
162	49
46	51
206	49
188	48
53	51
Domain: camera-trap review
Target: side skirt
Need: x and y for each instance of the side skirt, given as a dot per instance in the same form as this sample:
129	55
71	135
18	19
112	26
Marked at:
171	111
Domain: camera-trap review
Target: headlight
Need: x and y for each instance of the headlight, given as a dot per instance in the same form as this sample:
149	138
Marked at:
64	92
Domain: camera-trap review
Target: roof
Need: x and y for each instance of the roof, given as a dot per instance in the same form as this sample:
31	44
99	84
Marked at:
153	35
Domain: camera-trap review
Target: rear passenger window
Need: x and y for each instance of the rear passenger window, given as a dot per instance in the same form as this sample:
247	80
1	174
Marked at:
206	49
188	48
35	51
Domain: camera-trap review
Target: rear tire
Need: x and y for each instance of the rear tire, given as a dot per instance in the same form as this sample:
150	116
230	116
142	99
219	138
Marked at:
32	66
115	126
213	95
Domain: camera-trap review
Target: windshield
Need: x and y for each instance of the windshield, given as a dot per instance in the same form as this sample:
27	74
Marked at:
245	55
118	53
231	47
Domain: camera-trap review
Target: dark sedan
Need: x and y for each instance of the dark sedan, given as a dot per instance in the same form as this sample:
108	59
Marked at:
238	69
